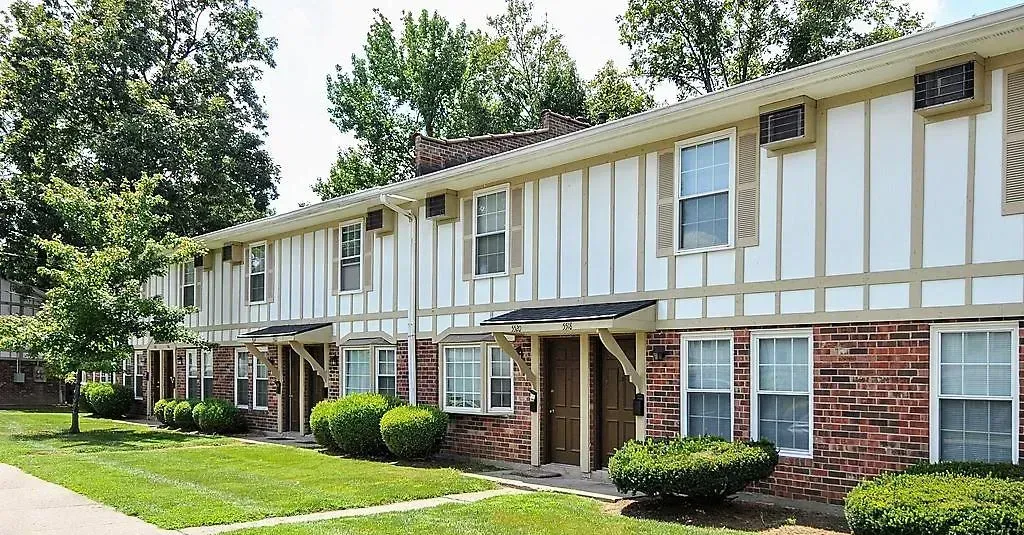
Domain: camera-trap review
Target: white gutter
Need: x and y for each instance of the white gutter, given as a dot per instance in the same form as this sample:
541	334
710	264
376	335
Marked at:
385	199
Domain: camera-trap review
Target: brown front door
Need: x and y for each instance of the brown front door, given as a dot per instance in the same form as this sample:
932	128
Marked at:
292	395
562	381
617	421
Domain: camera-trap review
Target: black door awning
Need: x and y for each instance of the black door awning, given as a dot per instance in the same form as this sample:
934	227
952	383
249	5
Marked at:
621	315
284	333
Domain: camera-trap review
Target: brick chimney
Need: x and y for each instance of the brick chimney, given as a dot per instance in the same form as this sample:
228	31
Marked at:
434	154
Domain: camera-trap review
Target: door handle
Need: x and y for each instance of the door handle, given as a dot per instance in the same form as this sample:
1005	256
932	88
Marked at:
551	411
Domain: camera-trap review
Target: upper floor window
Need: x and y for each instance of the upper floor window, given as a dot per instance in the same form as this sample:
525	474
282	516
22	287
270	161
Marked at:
704	192
490	232
974	393
351	257
188	285
258	273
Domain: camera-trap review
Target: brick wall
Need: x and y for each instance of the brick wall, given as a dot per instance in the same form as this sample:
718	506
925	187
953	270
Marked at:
433	154
27	394
870	412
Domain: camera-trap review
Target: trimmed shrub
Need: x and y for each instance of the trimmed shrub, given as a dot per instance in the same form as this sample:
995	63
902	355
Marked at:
355	423
928	504
975	469
320	423
158	409
183	414
110	400
413	432
702	468
83	397
217	416
169	412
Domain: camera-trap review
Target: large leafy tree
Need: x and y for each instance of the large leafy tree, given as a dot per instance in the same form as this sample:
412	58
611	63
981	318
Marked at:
95	308
103	92
612	94
706	45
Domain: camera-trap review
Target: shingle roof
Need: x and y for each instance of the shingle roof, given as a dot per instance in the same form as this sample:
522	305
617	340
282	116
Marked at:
284	330
596	311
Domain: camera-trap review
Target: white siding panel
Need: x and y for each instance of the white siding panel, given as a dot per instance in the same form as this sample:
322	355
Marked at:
721	267
844	298
759	304
524	282
373	296
626	221
482	291
426	324
663	310
721	306
796	302
892	127
320	286
655	269
689	308
499	290
547	276
444	321
308	254
402	258
689	270
599	231
993	290
295	308
446	274
844	198
461	320
427	277
387	270
462	288
571	221
996	237
759	261
889	296
942	293
945	192
798	191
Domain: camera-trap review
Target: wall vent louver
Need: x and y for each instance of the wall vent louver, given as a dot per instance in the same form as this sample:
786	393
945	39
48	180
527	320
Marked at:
780	125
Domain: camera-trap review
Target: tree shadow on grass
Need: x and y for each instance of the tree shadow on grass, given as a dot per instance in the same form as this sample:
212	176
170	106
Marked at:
96	440
739	515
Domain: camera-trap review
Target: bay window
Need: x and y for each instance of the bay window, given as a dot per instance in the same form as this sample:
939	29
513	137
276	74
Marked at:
387	372
357	371
781	368
472	383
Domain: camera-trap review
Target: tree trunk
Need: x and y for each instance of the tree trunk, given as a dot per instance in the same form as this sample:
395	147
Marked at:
74	403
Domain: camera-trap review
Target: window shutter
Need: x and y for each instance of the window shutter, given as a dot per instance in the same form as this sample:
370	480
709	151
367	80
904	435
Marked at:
746	190
515	236
335	259
665	242
1013	167
467	239
368	238
268	271
198	287
245	275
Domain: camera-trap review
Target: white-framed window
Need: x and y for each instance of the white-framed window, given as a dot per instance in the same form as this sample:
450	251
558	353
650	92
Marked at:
138	385
975	392
387	371
193	384
781	378
707	369
242	378
490	231
476	378
258	273
127	372
188	285
207	373
261	385
351	247
358	371
706	171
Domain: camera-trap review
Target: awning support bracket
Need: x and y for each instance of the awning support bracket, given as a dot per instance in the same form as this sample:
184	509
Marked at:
262	357
614	348
510	350
301	351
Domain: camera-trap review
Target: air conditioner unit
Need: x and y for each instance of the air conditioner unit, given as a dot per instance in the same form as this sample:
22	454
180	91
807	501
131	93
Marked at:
19	377
788	123
380	220
443	206
198	261
950	85
208	261
233	252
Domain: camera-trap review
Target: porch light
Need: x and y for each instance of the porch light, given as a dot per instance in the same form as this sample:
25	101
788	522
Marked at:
659	353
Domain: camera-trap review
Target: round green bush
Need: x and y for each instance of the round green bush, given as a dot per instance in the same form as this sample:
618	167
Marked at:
110	400
217	416
976	469
929	504
413	432
355	423
169	412
158	409
183	414
702	468
83	397
320	423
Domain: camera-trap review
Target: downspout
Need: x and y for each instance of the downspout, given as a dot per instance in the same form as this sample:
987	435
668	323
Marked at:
386	200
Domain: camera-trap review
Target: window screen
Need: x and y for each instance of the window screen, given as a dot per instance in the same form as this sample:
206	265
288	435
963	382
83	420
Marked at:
783	392
709	388
704	194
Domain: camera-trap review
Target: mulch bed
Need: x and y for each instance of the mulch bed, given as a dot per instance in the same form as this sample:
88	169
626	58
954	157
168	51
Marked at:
739	515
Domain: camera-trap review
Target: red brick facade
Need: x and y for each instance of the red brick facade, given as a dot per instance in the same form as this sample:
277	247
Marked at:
28	393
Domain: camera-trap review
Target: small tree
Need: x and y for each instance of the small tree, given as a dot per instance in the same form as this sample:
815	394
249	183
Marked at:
96	307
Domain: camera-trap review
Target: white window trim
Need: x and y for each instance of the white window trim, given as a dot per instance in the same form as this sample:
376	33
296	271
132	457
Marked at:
677	194
485	380
362	237
755	337
257	406
476	197
375	371
202	372
935	380
135	372
184	283
238	352
684	362
249	273
195	354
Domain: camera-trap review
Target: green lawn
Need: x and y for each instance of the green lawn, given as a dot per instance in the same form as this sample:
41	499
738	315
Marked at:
526	514
174	480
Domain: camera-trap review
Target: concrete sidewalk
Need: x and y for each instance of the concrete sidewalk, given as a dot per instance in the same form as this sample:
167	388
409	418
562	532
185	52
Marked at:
31	506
